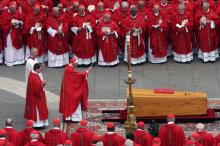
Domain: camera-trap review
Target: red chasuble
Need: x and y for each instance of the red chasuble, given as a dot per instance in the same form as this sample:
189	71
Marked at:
74	90
35	99
82	137
54	137
158	37
84	42
13	136
172	135
16	33
206	139
5	143
142	138
207	38
108	44
182	40
112	140
25	136
36	39
59	43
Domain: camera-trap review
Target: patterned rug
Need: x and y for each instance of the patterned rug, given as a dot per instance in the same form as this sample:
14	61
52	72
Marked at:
95	117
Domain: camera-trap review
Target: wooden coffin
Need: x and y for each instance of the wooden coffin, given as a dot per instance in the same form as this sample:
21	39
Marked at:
151	104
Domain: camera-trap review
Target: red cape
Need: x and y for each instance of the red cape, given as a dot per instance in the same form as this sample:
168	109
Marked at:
13	136
35	98
74	90
25	136
54	137
142	138
172	134
112	140
82	136
35	143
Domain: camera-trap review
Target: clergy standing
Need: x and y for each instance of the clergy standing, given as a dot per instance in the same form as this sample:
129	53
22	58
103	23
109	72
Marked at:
83	46
74	92
36	104
141	137
3	140
13	135
182	26
107	32
206	22
34	28
82	135
55	136
12	25
134	26
158	43
172	134
34	139
205	138
58	33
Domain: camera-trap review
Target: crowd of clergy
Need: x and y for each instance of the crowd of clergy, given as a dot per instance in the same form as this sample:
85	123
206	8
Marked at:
102	32
170	134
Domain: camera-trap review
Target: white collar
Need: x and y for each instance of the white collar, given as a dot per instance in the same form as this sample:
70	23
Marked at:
2	138
8	127
82	14
110	133
33	140
169	123
156	14
133	16
56	128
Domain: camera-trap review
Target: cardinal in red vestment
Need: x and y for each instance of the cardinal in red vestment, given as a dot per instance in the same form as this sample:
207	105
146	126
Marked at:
158	43
156	140
134	27
119	16
34	139
172	134
130	140
82	135
68	142
12	25
217	140
34	28
111	138
26	132
83	46
206	22
12	135
74	92
58	47
36	104
3	140
194	139
99	12
55	136
182	26
89	4
141	137
107	32
205	138
27	5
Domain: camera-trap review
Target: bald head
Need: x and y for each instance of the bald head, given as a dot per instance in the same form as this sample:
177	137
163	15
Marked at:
34	136
140	4
34	52
9	122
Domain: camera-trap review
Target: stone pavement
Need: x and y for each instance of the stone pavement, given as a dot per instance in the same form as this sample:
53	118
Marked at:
108	83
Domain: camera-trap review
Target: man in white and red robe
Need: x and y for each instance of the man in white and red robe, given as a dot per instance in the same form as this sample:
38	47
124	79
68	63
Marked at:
11	25
89	4
182	25
82	135
34	28
34	139
27	5
141	137
158	43
55	136
205	138
12	135
111	138
206	22
119	16
74	92
26	133
171	134
134	27
3	140
99	12
36	104
107	32
58	34
83	46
